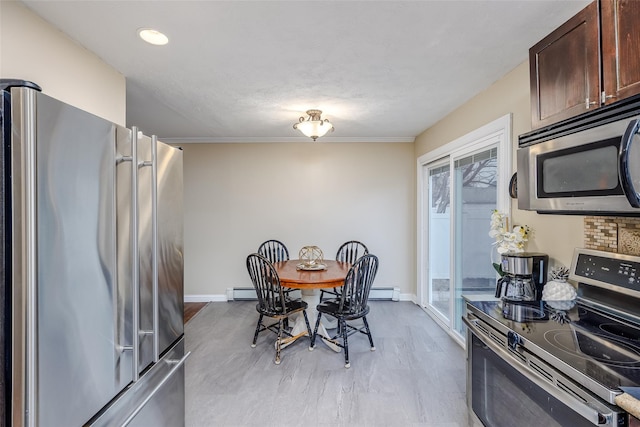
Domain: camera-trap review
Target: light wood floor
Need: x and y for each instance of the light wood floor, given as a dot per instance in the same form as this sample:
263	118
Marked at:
416	377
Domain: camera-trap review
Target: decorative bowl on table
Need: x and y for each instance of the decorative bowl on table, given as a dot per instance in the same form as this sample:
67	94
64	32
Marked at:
311	257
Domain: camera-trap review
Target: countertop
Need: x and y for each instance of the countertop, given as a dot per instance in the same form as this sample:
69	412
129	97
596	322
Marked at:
480	297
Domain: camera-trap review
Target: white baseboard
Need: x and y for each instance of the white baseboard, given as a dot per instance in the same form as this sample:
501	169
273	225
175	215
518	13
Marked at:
249	294
204	298
241	294
392	294
409	297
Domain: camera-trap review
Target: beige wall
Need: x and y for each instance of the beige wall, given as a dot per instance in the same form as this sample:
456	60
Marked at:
555	235
31	49
238	195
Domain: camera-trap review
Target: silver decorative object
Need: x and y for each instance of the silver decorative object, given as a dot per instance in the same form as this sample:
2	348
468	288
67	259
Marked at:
311	257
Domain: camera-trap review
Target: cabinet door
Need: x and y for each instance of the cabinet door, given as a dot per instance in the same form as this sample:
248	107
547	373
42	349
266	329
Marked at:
620	47
565	70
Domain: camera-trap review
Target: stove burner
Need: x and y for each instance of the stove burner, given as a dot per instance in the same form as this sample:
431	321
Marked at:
621	330
588	345
523	312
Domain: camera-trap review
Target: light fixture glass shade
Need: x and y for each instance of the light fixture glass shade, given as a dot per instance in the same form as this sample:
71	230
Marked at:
313	127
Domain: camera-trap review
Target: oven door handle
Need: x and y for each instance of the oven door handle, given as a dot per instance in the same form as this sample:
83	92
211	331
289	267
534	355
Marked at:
624	164
587	412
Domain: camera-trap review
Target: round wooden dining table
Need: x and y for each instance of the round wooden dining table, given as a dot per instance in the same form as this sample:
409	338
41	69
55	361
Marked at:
309	281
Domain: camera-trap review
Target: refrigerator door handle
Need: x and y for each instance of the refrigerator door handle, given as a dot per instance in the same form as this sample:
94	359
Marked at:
154	245
154	259
123	159
138	332
122	347
135	273
177	365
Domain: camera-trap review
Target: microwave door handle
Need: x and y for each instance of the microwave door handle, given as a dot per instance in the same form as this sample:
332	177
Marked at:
624	164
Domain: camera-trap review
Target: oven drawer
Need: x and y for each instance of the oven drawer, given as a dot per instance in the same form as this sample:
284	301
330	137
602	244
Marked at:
502	391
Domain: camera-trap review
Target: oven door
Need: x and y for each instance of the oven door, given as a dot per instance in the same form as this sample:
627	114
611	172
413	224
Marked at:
504	392
590	171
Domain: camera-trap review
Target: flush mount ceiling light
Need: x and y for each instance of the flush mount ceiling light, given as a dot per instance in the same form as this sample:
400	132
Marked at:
152	36
313	126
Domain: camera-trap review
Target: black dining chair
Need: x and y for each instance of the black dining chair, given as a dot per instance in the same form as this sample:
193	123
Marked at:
347	252
274	251
272	301
352	304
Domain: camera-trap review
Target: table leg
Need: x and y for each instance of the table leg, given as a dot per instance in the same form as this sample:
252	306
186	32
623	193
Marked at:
312	298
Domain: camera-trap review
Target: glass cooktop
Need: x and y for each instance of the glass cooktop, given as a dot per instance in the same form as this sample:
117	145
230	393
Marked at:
598	345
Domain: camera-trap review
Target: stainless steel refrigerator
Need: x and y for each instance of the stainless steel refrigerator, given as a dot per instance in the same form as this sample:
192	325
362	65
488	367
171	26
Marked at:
92	269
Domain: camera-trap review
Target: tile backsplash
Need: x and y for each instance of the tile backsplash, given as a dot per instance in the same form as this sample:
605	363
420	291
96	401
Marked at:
612	234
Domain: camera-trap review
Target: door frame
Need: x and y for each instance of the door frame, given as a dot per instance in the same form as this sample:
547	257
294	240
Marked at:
498	131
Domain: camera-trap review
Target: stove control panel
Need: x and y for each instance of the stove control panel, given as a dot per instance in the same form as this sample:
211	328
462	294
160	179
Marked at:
606	269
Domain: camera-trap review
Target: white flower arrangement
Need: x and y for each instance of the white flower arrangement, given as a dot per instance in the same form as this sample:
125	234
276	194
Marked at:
507	241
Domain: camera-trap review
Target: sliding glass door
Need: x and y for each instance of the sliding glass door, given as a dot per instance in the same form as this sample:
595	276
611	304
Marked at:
438	235
474	194
461	184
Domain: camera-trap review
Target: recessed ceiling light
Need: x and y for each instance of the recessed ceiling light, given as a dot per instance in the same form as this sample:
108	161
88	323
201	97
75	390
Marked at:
153	36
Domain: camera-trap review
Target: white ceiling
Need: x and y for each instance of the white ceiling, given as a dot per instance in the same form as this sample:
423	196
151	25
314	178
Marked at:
246	70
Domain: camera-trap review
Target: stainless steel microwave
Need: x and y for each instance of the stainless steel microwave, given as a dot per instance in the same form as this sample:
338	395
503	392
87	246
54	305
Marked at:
594	171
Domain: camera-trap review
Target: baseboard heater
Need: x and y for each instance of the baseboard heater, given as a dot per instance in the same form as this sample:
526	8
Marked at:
378	294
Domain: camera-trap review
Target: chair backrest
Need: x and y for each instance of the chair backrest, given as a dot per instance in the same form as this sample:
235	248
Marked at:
274	251
267	285
357	285
351	251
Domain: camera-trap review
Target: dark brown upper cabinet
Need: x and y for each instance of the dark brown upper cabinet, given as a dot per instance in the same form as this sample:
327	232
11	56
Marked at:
591	60
620	49
565	70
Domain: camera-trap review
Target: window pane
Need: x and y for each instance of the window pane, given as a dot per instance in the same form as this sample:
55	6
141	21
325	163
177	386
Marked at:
475	198
439	247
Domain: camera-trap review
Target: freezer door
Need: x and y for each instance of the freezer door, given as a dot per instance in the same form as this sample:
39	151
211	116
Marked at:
66	297
157	399
170	245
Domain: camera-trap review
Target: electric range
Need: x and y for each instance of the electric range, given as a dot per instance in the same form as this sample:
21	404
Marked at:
580	352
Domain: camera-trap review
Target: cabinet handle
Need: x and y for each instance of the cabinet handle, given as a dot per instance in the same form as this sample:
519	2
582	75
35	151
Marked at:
587	103
604	97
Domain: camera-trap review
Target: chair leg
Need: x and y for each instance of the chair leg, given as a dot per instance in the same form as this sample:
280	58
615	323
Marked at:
306	321
315	332
255	336
279	341
366	325
342	324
